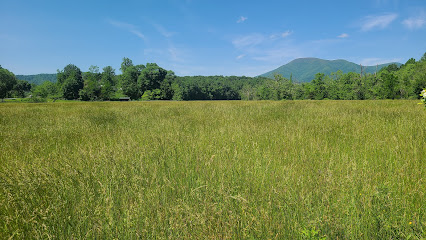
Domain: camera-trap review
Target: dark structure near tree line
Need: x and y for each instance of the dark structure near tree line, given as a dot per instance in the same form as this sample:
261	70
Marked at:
123	99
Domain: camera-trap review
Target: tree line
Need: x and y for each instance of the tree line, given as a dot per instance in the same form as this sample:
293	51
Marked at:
391	82
152	82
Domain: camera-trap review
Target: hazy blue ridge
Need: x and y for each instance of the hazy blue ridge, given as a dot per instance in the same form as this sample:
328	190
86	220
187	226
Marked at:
304	69
38	78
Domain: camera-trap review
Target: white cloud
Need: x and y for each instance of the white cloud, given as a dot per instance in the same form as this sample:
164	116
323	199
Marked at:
163	31
171	53
415	22
275	49
343	35
286	33
266	48
242	19
281	35
240	56
128	27
174	54
177	54
377	22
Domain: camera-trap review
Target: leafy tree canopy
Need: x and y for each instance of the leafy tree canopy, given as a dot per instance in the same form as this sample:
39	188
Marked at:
71	81
125	64
151	77
129	82
7	82
423	59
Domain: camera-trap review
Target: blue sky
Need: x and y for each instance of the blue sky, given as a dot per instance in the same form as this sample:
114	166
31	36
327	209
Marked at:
200	37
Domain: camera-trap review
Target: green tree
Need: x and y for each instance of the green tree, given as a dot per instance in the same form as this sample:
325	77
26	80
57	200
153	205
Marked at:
390	68
166	86
20	88
7	82
108	75
285	87
70	81
266	91
155	94
419	77
319	86
177	92
125	64
107	83
92	87
248	93
140	67
423	59
410	61
390	81
129	82
151	77
46	89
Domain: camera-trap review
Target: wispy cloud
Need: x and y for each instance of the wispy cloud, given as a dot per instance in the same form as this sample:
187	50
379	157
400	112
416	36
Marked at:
163	31
242	19
177	54
343	35
128	27
281	35
240	56
279	49
266	48
248	40
415	22
169	55
369	23
286	33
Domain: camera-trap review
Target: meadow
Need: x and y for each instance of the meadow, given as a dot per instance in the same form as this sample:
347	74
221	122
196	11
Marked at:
213	170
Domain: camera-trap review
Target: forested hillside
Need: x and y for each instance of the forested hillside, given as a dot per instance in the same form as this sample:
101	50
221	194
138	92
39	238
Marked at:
304	69
38	78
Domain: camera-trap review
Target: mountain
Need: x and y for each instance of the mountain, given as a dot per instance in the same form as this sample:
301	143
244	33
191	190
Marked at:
304	69
39	78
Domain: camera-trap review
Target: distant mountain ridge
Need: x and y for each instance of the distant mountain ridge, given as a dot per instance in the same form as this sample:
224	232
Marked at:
38	78
304	69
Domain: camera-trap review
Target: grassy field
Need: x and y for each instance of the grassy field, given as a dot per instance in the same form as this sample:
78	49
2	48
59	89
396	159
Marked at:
213	170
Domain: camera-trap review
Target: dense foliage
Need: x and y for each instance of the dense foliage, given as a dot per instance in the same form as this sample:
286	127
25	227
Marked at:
152	82
7	82
213	87
392	82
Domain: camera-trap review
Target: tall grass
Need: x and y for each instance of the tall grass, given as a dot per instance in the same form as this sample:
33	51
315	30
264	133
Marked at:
213	170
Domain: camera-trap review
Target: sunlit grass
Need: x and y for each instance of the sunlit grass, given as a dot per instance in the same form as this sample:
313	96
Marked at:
218	170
